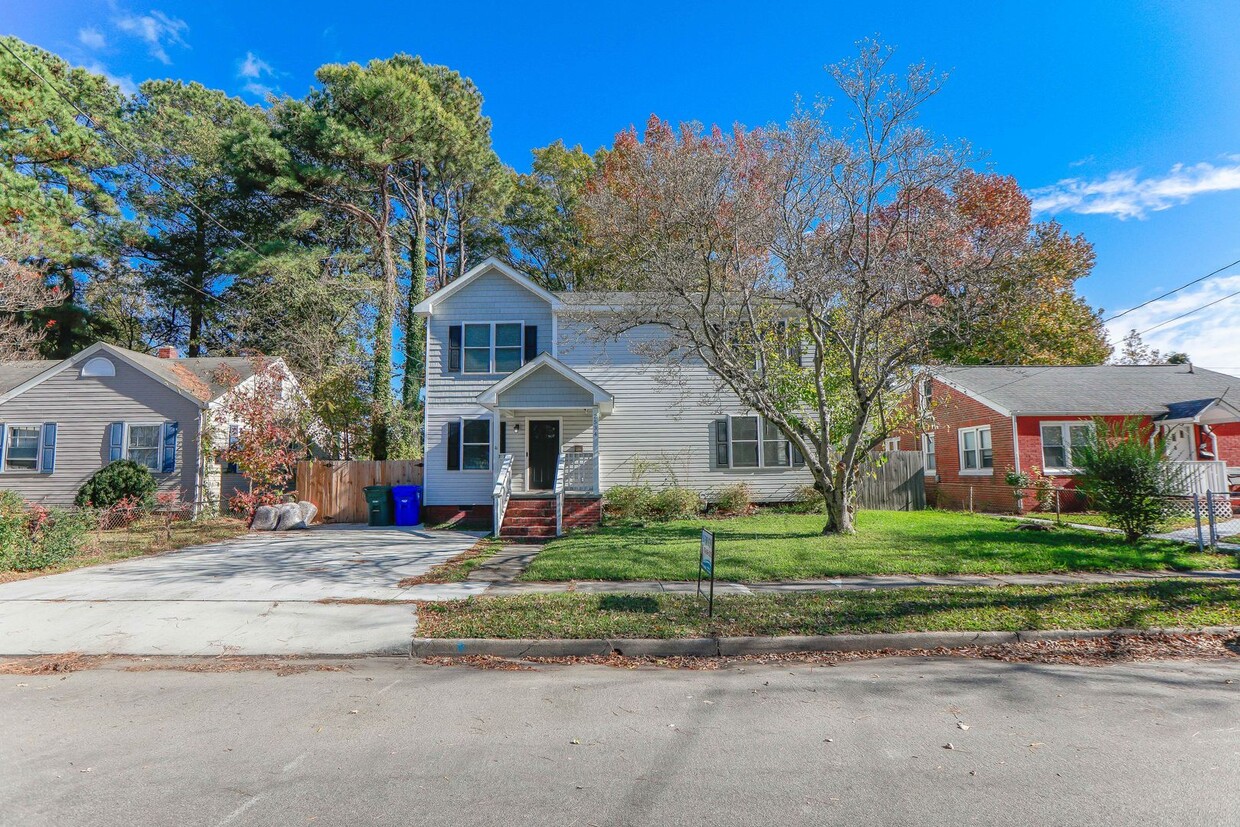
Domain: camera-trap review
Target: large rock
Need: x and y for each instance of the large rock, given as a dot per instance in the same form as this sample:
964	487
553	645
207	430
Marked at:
308	511
289	517
265	518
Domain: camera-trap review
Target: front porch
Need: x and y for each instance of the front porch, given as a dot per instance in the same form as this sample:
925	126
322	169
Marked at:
546	448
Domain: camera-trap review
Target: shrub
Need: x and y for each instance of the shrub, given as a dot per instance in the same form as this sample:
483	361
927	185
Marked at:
627	502
735	499
116	481
674	502
37	537
1125	476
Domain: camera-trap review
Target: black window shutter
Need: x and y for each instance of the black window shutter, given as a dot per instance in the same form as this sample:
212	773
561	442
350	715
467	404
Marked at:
503	437
454	445
798	459
531	342
721	442
454	348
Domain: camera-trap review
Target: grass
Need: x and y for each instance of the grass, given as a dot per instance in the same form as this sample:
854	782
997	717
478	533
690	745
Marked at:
1086	518
459	567
140	539
1167	603
774	546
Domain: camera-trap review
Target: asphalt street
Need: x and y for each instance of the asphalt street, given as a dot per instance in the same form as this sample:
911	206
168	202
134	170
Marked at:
396	742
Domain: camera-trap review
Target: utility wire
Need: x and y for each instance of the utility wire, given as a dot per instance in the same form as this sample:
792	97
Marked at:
1173	291
1190	312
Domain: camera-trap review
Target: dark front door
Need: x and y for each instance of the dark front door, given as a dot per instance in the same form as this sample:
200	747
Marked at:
544	449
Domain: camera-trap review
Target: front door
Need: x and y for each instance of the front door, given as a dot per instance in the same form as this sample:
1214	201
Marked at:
1180	443
544	452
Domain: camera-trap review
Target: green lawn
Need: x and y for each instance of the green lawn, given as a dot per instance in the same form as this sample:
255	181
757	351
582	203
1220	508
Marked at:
773	546
1167	603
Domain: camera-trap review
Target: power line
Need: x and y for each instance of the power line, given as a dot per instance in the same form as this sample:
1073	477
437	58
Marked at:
1173	291
1190	312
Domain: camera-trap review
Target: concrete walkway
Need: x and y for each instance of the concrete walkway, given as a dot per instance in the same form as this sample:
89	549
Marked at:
330	590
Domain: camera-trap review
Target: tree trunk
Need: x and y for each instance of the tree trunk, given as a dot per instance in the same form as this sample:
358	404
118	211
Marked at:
199	280
381	382
414	327
841	509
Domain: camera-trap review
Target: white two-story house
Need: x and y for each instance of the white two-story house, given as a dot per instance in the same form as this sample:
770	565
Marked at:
530	417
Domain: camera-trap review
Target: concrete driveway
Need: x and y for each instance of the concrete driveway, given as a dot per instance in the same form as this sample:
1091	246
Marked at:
259	594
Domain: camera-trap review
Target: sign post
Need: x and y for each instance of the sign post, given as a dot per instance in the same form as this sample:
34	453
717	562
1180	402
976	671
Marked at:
706	563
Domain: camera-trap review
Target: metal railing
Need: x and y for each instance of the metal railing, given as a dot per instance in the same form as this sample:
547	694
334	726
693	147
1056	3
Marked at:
580	471
559	494
502	492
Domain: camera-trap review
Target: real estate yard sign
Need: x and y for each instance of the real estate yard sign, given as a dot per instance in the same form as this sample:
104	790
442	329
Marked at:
706	563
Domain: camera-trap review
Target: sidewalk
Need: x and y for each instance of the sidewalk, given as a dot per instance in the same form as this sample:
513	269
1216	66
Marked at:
498	578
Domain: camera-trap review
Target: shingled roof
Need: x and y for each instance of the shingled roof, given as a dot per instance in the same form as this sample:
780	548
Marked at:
1091	390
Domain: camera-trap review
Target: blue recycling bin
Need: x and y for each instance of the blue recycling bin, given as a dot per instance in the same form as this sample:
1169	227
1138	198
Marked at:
408	500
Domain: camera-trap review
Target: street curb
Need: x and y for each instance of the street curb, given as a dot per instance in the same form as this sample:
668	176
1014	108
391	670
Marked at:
734	646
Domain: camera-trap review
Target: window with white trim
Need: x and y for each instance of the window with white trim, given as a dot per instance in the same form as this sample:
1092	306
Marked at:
144	443
21	447
891	443
492	347
749	441
927	449
976	456
1059	439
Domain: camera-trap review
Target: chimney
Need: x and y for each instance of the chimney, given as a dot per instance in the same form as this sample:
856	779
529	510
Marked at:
167	352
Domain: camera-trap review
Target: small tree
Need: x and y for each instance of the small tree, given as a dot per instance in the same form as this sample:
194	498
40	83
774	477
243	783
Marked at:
1125	475
268	412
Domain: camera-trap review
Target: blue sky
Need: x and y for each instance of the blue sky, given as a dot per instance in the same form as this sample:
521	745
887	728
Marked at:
1120	118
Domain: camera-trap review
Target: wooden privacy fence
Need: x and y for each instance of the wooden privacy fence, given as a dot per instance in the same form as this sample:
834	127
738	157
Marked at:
899	484
336	487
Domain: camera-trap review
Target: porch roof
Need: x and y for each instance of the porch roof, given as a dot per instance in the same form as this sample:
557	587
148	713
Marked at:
567	388
1200	411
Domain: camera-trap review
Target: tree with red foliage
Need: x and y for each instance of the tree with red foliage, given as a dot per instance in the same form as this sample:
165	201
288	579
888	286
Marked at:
872	246
22	289
270	415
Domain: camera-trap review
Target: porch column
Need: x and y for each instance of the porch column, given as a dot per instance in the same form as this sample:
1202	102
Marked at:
596	456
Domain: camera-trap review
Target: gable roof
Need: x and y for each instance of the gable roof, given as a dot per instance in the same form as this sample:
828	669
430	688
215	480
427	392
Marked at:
196	378
1088	390
600	395
492	264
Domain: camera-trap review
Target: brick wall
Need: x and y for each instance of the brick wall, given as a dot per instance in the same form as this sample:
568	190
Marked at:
952	489
1228	437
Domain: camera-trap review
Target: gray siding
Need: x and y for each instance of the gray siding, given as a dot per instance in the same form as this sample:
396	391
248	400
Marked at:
82	409
576	428
544	388
490	297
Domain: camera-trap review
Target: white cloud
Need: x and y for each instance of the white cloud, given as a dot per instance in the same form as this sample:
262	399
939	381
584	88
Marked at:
92	38
1125	195
253	66
260	90
1208	337
157	30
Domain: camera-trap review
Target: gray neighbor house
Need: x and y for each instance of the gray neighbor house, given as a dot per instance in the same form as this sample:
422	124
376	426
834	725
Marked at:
60	421
530	418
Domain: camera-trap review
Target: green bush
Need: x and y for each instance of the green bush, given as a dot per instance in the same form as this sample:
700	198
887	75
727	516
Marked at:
116	481
674	503
36	537
735	499
627	502
1124	475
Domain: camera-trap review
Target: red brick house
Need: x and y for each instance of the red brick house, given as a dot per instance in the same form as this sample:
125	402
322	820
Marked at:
981	421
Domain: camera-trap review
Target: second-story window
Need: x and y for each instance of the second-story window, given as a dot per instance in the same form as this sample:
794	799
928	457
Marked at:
497	347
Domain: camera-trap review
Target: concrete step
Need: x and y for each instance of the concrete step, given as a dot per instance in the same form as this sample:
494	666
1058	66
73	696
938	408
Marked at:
513	520
519	531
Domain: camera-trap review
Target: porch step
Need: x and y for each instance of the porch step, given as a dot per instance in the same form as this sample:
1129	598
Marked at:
527	531
530	519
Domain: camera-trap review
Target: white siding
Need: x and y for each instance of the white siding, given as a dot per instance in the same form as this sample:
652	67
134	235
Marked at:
661	430
544	388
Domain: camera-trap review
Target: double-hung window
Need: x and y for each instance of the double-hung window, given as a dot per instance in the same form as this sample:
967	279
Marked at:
927	449
975	454
21	446
1059	439
492	347
469	445
752	442
143	444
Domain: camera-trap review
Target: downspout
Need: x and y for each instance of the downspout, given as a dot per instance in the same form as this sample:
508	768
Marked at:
1020	505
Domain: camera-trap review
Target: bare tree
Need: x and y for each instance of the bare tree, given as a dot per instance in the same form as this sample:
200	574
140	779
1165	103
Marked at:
23	287
811	269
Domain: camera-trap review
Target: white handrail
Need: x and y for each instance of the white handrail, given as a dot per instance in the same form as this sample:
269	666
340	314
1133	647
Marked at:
1199	477
502	492
559	495
580	471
